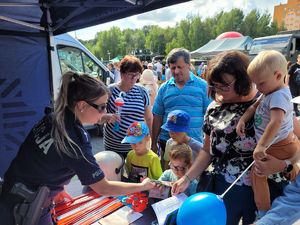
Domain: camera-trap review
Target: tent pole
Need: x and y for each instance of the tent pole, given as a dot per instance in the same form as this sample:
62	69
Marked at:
21	23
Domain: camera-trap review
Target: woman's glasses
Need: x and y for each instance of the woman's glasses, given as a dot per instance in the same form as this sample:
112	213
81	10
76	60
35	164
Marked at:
177	168
224	87
101	108
133	75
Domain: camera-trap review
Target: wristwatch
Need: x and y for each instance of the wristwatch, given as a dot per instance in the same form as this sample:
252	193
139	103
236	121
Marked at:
289	167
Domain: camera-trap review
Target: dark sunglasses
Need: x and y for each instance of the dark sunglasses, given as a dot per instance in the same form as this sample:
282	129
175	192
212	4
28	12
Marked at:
100	108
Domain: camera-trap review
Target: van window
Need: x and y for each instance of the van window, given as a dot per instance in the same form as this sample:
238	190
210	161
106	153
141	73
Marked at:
74	59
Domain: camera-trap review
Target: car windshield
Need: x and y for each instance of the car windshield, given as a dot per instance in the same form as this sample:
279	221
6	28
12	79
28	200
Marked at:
276	43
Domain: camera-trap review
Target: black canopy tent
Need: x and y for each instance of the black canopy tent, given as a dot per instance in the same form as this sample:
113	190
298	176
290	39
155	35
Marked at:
60	16
25	75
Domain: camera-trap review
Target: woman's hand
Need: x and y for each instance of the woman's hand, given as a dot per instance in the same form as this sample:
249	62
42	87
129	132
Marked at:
110	118
148	184
180	185
259	153
269	165
62	197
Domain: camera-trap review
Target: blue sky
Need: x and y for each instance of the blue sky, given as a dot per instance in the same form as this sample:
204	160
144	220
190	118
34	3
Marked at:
169	16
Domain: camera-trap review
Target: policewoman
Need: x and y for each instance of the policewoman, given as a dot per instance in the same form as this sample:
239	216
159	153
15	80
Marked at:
56	149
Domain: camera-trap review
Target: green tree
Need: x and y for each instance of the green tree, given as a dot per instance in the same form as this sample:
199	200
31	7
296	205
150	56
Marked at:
190	33
155	40
249	25
171	39
183	29
263	25
139	39
229	21
258	25
170	45
126	42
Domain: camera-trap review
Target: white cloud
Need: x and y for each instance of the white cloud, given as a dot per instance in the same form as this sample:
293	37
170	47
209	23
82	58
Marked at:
169	16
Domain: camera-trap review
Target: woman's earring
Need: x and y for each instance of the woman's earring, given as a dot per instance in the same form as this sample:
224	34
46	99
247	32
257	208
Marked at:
82	110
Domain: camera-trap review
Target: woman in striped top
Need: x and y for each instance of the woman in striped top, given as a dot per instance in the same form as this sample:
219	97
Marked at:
136	106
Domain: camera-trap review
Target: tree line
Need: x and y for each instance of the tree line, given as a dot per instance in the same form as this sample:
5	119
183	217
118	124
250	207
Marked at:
190	33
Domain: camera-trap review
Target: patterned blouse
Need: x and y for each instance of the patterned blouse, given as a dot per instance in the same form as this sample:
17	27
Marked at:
220	123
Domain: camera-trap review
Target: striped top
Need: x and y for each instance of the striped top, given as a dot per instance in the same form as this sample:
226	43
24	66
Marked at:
136	99
192	98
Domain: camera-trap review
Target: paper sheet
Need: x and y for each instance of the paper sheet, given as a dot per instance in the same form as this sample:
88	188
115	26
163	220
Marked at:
166	206
122	216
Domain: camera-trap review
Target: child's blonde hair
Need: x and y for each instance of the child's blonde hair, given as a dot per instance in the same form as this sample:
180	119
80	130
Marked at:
181	151
268	61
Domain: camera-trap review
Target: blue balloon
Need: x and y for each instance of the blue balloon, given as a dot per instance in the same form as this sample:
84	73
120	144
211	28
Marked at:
203	208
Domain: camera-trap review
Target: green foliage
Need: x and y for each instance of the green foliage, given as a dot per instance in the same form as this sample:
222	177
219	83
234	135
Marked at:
191	33
229	21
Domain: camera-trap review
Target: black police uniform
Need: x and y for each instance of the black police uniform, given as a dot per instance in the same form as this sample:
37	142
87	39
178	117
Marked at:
38	163
294	83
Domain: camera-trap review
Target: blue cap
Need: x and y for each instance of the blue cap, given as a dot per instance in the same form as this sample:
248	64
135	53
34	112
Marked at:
177	121
136	133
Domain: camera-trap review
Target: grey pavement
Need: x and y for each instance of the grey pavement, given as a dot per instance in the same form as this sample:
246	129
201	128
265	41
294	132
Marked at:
97	143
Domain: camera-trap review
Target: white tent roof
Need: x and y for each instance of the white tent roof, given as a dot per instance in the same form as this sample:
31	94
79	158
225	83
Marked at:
214	47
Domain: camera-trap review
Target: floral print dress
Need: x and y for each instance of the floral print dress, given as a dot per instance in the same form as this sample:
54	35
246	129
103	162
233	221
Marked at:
220	124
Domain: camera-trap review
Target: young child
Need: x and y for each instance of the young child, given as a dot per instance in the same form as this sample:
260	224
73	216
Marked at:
148	81
273	114
180	161
141	161
178	124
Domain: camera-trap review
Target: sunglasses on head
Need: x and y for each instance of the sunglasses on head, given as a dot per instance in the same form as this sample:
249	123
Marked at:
100	108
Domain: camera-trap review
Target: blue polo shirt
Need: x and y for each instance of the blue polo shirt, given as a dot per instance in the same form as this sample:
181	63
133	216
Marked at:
192	98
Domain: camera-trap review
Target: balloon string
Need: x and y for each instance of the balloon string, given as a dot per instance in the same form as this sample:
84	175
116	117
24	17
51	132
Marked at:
242	174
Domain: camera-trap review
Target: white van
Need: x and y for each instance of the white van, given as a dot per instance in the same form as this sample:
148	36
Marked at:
69	54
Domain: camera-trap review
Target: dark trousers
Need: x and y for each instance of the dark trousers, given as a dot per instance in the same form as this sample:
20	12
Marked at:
295	91
239	200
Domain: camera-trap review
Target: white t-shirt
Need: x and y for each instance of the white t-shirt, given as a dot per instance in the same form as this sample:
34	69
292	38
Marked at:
279	99
159	67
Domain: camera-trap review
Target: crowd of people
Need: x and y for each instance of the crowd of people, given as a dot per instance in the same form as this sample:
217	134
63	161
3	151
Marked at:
173	132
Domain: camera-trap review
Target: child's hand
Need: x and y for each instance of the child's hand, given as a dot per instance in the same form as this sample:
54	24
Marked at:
259	152
162	185
180	186
161	188
240	128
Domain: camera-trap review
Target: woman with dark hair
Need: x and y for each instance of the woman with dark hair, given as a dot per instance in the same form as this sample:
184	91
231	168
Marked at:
56	149
136	107
233	92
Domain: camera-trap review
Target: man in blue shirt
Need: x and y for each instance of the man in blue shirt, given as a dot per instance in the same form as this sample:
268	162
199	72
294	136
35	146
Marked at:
184	91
